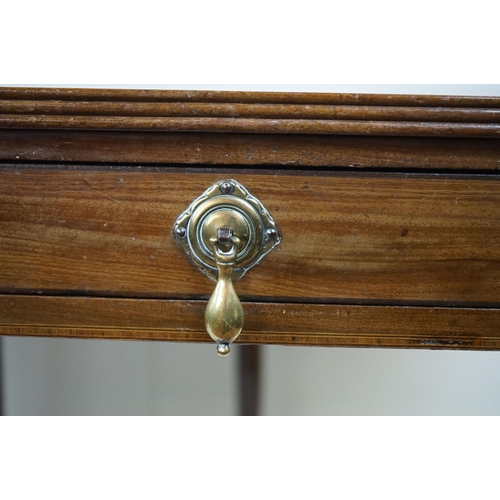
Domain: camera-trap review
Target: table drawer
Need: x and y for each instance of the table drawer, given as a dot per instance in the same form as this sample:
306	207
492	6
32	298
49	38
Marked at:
388	208
371	238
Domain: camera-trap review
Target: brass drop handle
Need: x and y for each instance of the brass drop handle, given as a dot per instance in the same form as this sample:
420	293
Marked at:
225	232
224	314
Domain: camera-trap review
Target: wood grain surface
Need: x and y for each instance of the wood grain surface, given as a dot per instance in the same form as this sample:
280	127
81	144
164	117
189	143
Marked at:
369	258
283	324
285	151
367	238
252	126
250	113
237	110
304	98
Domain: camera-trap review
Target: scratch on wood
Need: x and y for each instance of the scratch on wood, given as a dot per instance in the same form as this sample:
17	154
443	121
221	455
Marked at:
276	180
98	190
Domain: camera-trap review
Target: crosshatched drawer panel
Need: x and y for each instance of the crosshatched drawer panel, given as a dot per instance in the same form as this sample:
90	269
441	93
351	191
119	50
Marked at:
388	238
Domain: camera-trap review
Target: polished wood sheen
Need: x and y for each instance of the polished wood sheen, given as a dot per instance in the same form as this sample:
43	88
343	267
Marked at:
379	238
238	110
203	96
286	152
250	113
252	126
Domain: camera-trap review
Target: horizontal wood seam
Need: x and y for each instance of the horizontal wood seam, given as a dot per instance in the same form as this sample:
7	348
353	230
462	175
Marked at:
305	301
283	324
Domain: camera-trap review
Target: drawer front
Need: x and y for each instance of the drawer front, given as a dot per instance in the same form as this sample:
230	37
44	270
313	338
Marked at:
388	207
351	238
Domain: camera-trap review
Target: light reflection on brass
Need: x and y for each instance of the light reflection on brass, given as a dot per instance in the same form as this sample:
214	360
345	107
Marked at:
224	314
225	232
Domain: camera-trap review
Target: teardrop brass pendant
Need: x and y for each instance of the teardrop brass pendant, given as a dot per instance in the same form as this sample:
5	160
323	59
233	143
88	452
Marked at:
224	314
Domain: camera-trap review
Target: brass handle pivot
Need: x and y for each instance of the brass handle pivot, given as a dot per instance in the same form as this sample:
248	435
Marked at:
224	314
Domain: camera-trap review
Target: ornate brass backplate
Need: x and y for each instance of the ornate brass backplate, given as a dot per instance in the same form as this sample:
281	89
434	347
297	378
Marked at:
227	204
226	232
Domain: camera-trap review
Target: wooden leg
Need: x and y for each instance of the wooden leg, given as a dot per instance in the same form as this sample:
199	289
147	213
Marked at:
2	408
249	379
